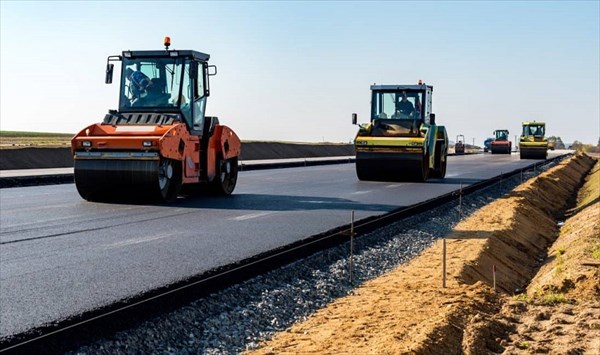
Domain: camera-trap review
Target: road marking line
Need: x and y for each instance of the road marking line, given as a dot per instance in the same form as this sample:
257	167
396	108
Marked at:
251	216
128	242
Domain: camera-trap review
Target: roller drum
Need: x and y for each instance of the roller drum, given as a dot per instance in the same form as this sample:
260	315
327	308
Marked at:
108	179
391	167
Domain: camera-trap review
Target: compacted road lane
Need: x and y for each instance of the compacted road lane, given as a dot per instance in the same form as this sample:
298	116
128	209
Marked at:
61	256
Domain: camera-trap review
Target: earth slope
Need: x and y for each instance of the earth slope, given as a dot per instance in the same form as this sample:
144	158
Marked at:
408	310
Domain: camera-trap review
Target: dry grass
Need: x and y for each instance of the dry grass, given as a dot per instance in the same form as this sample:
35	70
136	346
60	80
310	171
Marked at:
14	139
17	139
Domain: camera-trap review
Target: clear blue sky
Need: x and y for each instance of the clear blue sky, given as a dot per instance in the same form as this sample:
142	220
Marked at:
295	71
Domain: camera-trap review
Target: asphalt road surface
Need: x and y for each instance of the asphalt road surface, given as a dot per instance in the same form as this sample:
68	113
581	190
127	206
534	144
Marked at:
61	255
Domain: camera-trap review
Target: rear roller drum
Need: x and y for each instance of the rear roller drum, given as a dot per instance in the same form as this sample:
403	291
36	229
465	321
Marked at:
423	175
440	166
169	179
226	178
440	171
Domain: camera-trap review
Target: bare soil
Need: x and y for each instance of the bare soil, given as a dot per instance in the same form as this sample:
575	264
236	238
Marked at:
408	311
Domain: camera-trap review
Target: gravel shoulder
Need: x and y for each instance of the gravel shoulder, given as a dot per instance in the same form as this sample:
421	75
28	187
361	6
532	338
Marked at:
408	311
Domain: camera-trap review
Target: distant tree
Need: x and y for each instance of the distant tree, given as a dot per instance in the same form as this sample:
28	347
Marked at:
559	143
595	149
556	142
577	145
581	147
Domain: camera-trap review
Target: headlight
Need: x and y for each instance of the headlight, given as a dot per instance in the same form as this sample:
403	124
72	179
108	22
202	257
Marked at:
147	143
86	144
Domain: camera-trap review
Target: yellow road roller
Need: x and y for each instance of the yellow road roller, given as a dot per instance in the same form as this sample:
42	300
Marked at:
402	140
533	143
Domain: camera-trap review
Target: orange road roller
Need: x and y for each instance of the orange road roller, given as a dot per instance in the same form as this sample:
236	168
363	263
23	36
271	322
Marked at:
159	140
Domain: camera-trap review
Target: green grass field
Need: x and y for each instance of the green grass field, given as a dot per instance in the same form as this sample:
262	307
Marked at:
17	139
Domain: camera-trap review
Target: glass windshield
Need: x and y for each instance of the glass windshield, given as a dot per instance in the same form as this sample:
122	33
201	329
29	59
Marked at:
404	105
154	82
537	130
501	135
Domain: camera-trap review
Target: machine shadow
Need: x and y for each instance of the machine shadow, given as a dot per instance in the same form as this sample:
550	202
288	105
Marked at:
268	202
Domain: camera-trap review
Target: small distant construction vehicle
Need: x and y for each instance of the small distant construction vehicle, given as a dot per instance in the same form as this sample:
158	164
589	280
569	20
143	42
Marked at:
159	139
487	144
459	145
533	144
552	143
402	140
501	144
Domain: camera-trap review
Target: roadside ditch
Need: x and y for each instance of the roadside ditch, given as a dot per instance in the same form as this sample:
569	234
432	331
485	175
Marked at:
502	244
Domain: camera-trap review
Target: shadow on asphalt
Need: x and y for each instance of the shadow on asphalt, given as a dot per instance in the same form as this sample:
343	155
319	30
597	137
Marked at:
267	202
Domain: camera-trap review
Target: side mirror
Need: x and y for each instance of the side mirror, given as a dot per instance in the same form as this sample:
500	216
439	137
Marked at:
109	73
354	118
212	70
432	118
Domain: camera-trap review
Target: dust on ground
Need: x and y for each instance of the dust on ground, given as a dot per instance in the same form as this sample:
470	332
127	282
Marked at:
408	311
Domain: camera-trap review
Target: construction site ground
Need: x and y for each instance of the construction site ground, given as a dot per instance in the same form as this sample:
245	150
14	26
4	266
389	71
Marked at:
543	240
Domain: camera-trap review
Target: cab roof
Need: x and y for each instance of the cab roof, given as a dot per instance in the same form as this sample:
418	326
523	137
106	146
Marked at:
400	87
533	123
167	54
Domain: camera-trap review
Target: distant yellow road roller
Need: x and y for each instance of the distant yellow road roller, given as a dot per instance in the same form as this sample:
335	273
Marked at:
533	143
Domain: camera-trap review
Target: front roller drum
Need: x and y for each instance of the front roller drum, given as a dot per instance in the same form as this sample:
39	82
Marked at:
392	167
535	153
102	180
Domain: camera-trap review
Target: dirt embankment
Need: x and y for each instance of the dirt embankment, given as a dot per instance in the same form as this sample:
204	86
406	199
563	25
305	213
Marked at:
41	158
408	310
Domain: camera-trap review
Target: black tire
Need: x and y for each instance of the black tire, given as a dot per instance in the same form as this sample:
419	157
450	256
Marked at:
169	179
423	175
226	178
440	167
440	172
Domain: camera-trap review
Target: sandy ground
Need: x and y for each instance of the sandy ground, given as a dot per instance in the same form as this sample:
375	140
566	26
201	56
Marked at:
409	311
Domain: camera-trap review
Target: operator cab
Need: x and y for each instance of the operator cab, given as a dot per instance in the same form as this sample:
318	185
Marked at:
501	134
164	82
404	102
537	130
400	110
